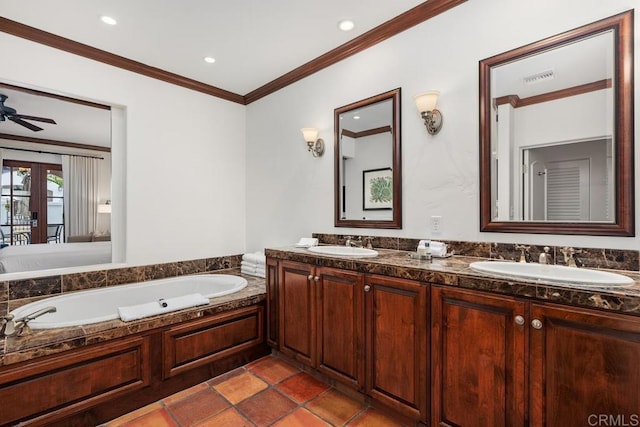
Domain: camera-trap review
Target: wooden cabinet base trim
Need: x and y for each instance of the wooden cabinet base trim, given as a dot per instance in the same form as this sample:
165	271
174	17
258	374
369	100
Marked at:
207	340
65	384
94	384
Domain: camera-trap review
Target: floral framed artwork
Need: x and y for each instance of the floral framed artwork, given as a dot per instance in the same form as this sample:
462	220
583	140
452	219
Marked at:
377	189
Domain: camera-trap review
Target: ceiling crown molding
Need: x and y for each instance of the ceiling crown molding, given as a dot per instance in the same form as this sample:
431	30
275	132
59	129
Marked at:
404	21
49	39
390	28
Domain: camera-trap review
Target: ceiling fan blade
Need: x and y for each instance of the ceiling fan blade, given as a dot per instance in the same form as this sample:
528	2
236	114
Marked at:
25	124
7	110
37	119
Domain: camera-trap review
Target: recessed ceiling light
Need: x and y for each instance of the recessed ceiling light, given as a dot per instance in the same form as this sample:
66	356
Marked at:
209	59
356	117
108	20
346	25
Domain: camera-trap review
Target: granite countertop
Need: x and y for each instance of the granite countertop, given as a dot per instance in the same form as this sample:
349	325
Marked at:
50	341
455	271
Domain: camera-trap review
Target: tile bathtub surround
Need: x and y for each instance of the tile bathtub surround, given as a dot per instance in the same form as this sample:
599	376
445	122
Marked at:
266	392
615	259
15	293
51	341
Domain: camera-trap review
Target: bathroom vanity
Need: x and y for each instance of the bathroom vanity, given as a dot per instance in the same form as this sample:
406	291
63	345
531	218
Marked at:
440	344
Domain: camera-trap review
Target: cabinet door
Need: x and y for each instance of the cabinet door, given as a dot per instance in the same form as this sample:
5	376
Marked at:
297	294
341	325
478	359
584	367
272	302
396	349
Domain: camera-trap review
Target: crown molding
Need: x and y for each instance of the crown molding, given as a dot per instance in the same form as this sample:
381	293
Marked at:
48	39
404	21
382	32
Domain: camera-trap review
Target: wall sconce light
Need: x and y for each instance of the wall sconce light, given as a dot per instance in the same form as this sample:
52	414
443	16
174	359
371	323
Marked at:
105	207
315	144
426	104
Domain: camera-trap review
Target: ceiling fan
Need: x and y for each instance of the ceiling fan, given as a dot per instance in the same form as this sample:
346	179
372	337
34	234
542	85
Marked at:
11	114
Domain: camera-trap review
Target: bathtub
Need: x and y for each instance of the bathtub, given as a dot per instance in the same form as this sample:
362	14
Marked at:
99	305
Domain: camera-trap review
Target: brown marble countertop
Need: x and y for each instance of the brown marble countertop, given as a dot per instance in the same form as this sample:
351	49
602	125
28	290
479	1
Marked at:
50	341
455	271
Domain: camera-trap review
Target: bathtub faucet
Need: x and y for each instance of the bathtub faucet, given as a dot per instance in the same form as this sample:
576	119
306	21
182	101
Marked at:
15	328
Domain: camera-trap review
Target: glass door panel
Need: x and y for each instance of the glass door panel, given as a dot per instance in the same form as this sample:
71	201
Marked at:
55	206
15	215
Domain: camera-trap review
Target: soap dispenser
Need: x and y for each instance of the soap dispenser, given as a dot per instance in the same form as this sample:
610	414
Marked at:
422	248
422	252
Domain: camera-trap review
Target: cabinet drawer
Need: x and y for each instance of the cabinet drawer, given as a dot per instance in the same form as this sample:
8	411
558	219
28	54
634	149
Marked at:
68	383
204	341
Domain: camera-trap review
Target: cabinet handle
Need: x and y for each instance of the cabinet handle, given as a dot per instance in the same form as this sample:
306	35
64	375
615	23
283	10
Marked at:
367	288
519	320
536	324
317	278
310	277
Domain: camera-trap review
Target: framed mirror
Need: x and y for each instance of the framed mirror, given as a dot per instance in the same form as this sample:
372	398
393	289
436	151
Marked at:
556	134
368	176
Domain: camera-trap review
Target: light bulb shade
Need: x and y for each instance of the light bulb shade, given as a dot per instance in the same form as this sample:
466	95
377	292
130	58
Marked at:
427	101
310	134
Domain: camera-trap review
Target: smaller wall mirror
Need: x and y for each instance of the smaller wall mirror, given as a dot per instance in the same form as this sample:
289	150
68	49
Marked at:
556	134
368	177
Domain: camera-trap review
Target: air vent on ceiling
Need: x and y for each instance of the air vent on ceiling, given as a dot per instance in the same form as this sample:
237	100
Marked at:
538	77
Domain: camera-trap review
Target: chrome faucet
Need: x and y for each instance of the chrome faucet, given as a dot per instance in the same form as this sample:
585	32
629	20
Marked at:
525	256
15	328
570	258
355	243
368	244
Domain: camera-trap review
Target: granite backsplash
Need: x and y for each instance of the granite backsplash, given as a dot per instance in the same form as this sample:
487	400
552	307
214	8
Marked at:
16	293
615	259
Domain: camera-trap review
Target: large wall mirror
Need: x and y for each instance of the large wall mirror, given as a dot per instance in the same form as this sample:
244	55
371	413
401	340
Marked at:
55	201
556	134
368	176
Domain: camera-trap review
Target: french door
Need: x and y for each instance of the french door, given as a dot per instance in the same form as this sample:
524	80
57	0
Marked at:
31	204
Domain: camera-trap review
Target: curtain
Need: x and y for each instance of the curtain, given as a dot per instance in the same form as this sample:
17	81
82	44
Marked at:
80	192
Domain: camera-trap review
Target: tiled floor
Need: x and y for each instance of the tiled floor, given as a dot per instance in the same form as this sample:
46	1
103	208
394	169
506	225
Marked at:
267	392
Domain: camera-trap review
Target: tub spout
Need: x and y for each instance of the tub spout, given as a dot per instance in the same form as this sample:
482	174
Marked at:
15	328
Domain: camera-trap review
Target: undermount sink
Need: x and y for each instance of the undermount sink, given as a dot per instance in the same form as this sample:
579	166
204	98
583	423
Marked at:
344	251
557	273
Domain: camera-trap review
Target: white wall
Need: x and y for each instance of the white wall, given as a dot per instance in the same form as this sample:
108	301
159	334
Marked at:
290	193
181	161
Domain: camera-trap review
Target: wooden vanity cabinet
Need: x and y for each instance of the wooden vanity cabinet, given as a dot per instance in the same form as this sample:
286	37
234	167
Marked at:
368	332
583	367
297	311
321	312
502	361
271	283
340	331
397	351
478	358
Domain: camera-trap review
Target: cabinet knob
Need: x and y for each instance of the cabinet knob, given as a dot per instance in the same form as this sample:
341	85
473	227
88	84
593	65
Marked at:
317	278
367	288
310	277
519	320
537	324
